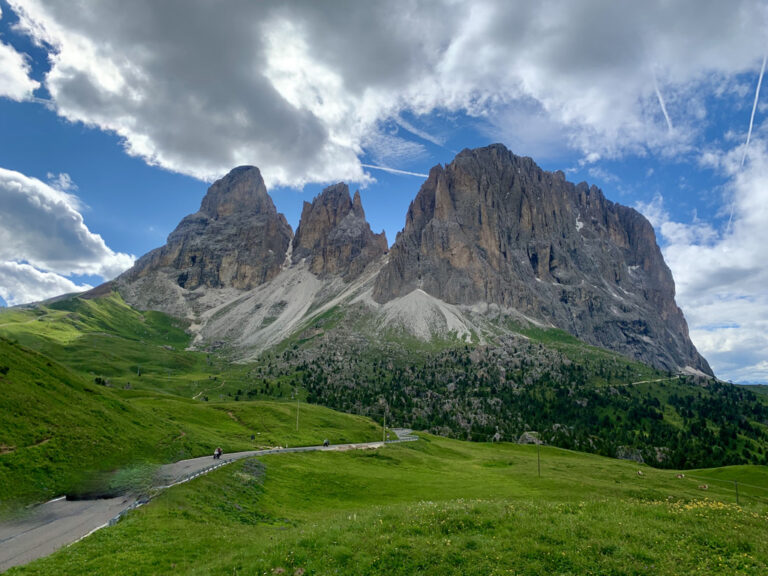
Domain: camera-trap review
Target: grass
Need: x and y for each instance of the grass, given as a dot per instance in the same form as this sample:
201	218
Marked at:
437	506
589	356
95	394
58	428
123	395
105	338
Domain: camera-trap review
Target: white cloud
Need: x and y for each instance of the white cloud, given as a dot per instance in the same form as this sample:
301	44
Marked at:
15	82
395	170
61	181
423	134
721	275
42	226
604	175
300	89
22	283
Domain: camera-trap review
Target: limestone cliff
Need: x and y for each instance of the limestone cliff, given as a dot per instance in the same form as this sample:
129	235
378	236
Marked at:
494	228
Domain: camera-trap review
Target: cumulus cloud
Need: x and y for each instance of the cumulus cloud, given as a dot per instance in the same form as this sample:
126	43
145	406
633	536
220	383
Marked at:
43	237
306	89
22	283
301	89
15	82
721	275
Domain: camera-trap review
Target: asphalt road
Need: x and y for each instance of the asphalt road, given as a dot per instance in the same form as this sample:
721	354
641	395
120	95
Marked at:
47	527
53	525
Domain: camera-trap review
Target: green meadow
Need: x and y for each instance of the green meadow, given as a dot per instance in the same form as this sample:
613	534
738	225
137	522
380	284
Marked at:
108	340
436	506
59	429
95	394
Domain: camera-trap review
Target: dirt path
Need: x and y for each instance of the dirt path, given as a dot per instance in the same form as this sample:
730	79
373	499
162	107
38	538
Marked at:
206	390
60	522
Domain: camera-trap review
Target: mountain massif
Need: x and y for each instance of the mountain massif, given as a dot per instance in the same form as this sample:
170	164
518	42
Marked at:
491	242
513	306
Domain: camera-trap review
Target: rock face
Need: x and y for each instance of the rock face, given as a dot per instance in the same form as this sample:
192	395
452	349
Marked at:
489	232
237	239
335	237
494	228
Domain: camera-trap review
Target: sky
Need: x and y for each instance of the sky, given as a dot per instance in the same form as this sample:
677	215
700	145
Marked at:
116	116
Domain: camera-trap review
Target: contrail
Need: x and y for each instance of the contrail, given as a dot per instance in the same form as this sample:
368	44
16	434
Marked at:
420	133
749	132
754	108
395	170
661	101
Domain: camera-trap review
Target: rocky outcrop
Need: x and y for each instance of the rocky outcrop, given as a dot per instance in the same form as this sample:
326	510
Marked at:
493	228
334	236
237	239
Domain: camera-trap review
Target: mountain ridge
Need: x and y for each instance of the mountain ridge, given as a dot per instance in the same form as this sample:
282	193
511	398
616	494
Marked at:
489	233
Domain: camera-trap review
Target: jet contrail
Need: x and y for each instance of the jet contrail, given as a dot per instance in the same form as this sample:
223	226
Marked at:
395	170
420	133
749	132
754	108
661	101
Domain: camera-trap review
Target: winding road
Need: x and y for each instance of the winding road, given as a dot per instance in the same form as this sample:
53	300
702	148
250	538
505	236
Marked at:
60	522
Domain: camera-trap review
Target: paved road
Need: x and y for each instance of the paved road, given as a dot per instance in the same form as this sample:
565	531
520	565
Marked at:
60	522
53	525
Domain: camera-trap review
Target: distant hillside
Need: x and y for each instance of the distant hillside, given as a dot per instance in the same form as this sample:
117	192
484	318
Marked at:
535	385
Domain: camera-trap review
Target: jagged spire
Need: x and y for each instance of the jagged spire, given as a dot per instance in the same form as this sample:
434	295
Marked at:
334	235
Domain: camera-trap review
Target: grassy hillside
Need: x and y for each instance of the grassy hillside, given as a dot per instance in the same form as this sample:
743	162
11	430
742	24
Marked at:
538	382
93	385
105	338
58	428
437	506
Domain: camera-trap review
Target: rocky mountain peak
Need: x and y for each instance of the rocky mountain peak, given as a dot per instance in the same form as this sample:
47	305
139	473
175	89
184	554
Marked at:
242	189
237	239
490	231
494	228
334	236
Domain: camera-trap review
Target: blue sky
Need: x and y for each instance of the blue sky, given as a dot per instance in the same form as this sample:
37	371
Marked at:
115	117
